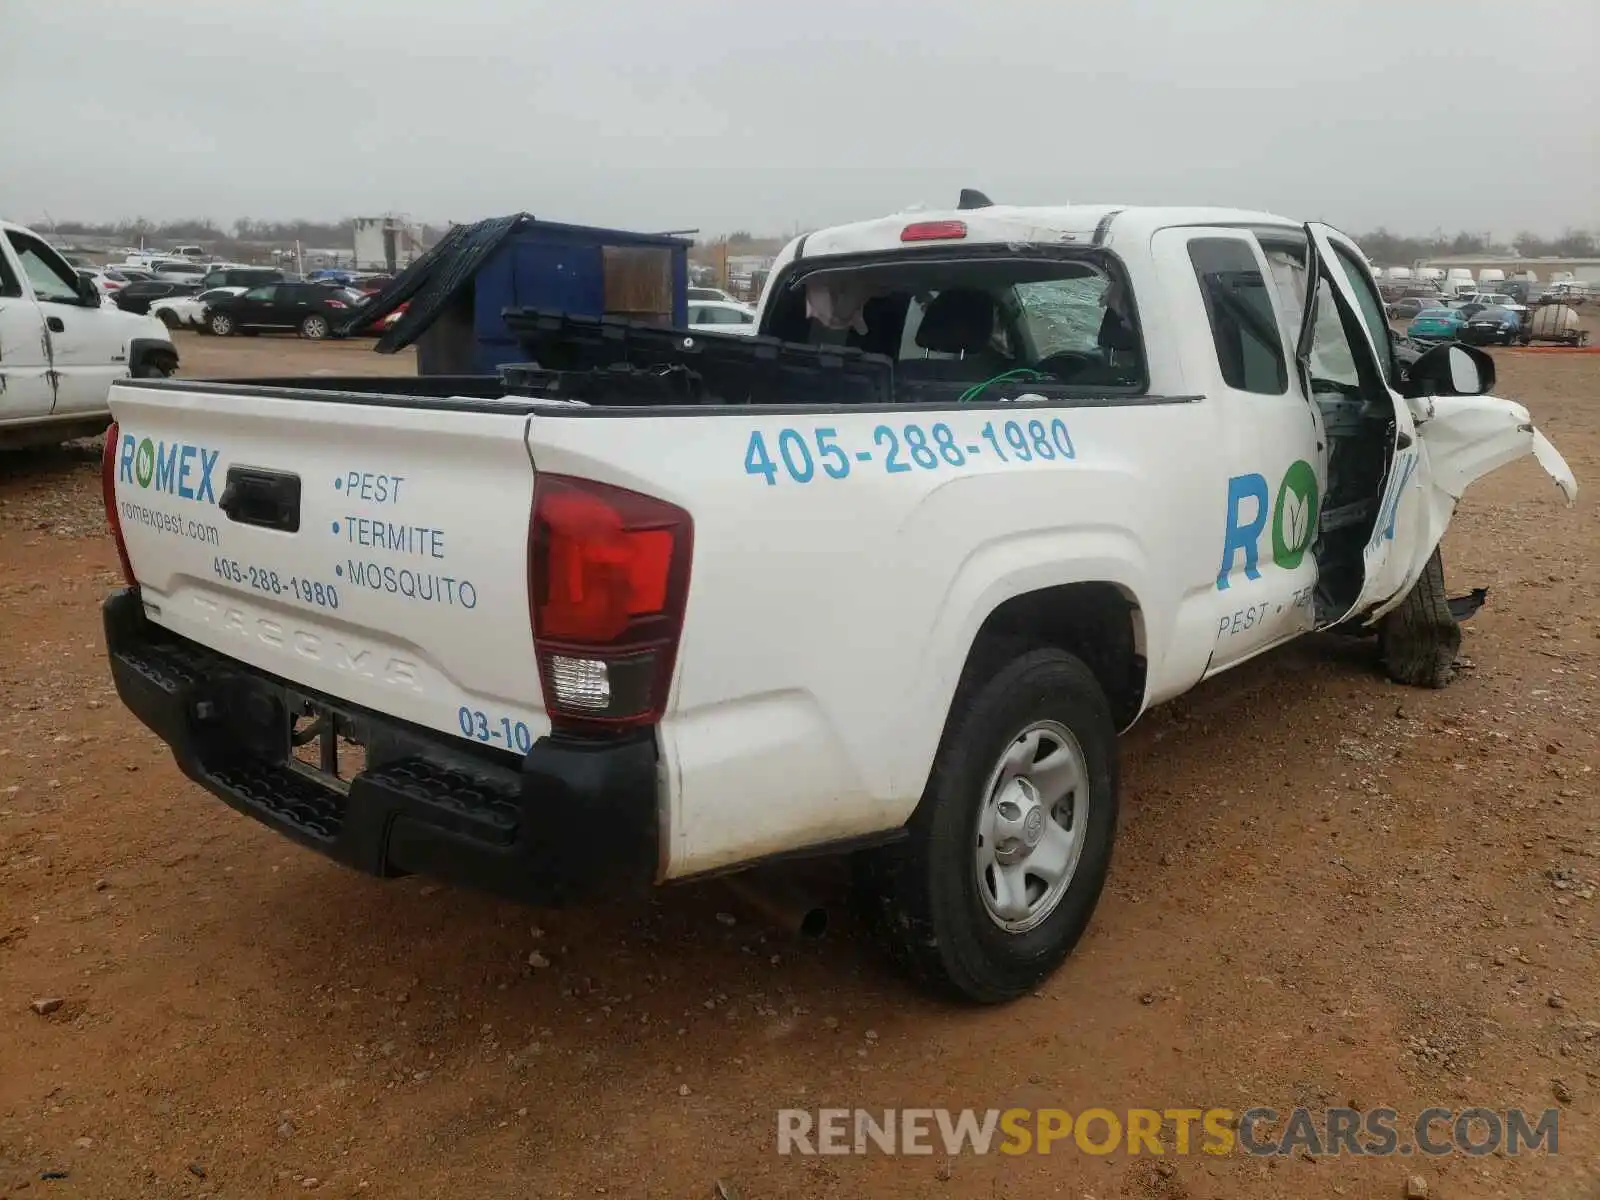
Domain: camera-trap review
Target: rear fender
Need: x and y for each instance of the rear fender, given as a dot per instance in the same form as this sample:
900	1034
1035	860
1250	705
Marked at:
1014	566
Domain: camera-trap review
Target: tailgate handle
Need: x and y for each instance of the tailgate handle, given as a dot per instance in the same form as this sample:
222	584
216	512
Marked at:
268	499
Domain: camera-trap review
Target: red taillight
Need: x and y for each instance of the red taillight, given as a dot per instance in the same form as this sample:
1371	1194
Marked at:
108	488
933	231
608	575
334	303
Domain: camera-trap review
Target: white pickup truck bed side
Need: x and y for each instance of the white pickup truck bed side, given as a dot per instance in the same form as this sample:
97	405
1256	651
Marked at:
844	561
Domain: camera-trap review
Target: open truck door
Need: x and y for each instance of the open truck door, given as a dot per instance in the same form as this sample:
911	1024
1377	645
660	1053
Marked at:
1447	431
1337	287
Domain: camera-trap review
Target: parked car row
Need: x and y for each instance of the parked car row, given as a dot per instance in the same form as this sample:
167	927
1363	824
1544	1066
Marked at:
1494	324
227	298
314	310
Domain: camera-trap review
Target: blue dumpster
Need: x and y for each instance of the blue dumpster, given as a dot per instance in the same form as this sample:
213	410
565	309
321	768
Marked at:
456	292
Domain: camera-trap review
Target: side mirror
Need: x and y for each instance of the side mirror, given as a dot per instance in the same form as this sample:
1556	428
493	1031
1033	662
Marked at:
88	294
1451	370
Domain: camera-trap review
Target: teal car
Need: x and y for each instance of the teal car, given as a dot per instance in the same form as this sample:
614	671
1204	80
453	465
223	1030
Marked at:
1436	325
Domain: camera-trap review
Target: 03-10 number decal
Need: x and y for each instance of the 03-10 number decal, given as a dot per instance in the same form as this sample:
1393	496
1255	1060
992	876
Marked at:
503	731
902	450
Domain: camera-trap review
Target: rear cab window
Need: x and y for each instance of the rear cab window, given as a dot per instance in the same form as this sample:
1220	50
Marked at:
955	324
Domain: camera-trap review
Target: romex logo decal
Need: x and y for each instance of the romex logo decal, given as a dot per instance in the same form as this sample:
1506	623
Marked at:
177	468
1293	516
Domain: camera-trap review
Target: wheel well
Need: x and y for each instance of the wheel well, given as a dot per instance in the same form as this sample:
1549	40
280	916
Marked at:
1099	622
151	352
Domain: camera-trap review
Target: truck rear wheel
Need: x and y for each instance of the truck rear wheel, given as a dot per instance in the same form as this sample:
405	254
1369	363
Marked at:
1420	639
1009	848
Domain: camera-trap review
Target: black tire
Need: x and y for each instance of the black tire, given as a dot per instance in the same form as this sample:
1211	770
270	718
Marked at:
221	324
921	895
169	319
316	327
1418	641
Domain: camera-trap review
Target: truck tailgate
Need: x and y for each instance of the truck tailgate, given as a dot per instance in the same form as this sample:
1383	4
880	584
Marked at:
376	553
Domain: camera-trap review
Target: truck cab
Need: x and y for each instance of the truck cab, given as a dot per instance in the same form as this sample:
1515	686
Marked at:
61	346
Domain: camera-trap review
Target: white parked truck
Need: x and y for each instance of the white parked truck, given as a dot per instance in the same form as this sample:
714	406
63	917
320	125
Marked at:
887	578
60	346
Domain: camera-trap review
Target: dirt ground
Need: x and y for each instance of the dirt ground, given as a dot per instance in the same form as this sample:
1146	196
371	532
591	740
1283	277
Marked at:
1328	890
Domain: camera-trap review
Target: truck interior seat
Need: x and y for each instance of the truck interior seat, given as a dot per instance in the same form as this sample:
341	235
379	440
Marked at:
959	321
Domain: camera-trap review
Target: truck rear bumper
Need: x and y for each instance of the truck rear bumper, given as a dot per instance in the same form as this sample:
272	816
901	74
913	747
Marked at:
569	820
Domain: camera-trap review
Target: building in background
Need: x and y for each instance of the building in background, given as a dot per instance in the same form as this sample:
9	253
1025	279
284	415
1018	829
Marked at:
387	243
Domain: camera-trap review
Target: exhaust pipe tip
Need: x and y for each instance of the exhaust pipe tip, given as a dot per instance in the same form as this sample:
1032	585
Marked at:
793	912
814	923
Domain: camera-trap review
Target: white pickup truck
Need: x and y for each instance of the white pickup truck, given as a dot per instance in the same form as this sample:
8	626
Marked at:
60	346
887	578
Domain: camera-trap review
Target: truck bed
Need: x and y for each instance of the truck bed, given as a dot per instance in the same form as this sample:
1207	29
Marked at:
404	588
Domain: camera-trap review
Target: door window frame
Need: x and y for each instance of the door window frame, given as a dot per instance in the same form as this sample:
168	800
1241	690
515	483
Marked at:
22	244
1215	311
10	282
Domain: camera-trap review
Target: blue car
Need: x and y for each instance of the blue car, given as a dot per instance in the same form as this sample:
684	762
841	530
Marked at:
1436	325
1492	325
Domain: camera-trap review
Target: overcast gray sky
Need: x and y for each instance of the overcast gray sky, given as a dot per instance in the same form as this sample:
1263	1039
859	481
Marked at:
1476	114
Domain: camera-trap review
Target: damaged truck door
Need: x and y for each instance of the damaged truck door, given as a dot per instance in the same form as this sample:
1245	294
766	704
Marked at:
1445	433
1386	539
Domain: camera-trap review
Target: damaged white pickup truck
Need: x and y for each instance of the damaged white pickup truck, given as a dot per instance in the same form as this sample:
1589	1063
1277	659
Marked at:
886	579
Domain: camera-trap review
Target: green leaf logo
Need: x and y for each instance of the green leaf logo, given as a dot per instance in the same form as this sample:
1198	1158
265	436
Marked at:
144	462
1294	519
